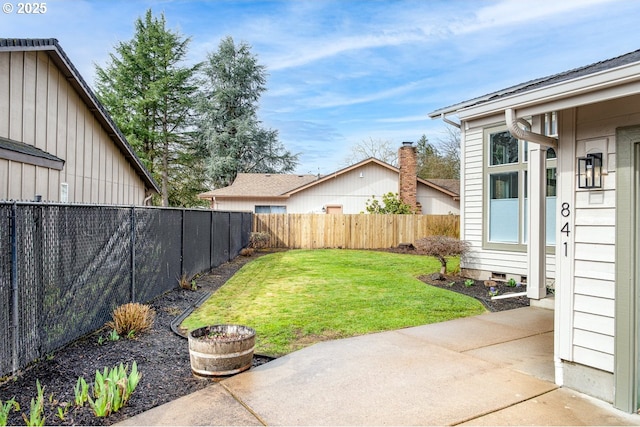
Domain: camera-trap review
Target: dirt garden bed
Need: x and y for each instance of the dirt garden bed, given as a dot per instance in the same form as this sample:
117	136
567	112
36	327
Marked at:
161	355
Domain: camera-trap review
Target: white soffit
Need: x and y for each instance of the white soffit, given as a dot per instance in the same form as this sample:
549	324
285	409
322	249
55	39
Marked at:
610	84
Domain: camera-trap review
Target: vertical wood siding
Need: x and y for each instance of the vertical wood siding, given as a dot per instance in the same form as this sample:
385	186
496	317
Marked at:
39	107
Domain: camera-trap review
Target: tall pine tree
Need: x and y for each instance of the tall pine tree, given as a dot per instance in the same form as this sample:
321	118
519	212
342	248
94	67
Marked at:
228	120
149	93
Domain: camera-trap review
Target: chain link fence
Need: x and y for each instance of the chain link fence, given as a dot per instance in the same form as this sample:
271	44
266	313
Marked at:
64	268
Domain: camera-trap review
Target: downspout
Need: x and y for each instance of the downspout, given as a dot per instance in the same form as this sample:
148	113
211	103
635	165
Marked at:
450	122
513	126
547	141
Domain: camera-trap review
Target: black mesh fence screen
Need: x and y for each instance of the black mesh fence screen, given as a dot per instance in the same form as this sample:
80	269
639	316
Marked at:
220	238
158	251
64	268
5	289
197	250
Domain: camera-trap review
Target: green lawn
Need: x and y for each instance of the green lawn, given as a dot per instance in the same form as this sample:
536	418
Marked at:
296	298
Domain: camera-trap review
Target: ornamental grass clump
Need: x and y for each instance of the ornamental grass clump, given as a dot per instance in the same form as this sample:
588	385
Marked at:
132	318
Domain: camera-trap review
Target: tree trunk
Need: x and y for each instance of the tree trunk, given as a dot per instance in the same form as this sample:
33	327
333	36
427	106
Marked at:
165	172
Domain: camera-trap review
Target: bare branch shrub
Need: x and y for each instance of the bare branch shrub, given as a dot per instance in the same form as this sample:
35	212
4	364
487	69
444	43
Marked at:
132	318
259	240
442	247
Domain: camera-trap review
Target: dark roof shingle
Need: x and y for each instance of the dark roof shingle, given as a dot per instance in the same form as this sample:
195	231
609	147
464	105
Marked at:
618	61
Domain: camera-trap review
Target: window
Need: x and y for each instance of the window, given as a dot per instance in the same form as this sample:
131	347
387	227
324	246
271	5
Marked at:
504	148
503	207
270	209
507	204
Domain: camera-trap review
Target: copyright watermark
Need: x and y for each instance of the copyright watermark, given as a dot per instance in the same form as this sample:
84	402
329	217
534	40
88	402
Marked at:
24	8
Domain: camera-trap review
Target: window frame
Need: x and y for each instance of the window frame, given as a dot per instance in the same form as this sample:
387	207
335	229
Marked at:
255	208
522	168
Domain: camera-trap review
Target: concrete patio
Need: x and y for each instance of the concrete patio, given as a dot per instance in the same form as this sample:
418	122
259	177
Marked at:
492	369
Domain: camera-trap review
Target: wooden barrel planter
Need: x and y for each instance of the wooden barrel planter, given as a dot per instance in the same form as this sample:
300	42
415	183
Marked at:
221	350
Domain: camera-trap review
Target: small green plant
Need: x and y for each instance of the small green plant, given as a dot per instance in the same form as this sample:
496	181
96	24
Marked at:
113	335
36	411
469	283
5	409
112	389
493	291
101	340
63	410
131	334
81	392
512	283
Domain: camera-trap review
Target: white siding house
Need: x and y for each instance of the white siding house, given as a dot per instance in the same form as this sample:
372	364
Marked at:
525	152
345	191
56	140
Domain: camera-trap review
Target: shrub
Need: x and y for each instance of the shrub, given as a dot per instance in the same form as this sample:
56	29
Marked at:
259	240
442	247
132	318
247	251
391	204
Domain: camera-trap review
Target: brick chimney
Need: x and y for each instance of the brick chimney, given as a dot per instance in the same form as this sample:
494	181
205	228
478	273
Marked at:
408	185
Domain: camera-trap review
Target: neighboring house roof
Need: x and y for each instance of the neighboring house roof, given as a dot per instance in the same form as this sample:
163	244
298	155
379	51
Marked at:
60	58
25	153
250	185
452	185
543	82
260	185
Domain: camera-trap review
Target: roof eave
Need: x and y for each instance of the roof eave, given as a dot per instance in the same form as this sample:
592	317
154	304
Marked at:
604	85
205	196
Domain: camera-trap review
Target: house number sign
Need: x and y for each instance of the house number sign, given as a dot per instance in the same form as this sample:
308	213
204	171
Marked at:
565	212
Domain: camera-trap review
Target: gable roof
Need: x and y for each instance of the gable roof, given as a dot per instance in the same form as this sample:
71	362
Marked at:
62	61
260	184
452	185
544	82
251	185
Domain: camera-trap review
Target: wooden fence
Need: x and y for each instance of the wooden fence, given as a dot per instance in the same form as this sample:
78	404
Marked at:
351	231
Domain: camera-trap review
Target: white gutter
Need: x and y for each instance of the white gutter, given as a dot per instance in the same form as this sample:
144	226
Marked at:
452	123
513	126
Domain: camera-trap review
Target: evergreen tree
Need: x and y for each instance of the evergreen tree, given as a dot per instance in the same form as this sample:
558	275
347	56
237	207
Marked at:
432	164
228	122
149	93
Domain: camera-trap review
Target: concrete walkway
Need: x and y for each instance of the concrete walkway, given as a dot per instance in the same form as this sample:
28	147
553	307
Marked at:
492	369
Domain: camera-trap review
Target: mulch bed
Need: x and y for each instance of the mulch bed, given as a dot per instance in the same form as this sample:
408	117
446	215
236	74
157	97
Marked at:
161	355
481	292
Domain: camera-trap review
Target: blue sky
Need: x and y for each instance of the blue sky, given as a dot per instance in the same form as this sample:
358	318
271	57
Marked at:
344	72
